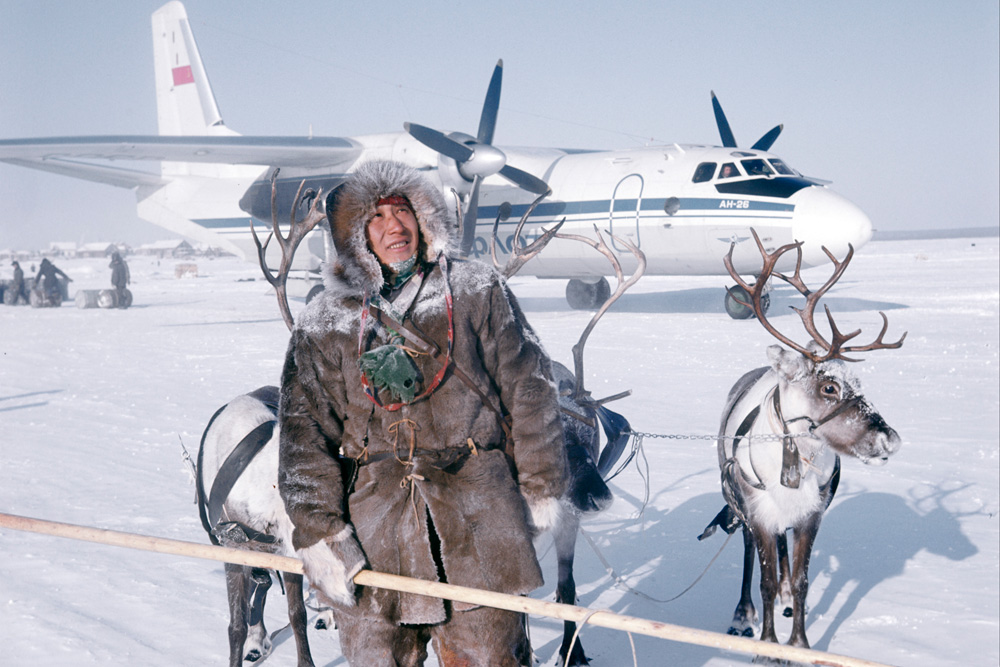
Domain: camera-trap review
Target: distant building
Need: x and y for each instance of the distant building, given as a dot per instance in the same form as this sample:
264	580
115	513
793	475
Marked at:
99	249
204	250
171	248
66	249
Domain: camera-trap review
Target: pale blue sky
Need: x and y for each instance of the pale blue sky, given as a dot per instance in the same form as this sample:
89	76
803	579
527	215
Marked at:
897	103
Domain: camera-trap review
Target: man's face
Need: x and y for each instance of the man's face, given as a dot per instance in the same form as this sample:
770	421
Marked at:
393	233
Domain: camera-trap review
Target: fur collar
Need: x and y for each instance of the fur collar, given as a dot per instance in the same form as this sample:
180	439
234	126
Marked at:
356	270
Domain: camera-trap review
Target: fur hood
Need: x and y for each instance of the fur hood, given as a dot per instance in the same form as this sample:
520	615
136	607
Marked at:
350	206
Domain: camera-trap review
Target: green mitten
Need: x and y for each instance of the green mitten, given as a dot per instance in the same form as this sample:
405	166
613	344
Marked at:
390	367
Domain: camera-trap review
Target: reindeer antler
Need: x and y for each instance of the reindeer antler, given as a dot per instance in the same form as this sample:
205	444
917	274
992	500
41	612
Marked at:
602	247
519	256
297	231
835	348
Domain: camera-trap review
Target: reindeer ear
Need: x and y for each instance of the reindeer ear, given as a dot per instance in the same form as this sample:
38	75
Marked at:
788	364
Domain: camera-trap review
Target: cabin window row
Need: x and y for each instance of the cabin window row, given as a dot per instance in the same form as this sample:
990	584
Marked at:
752	167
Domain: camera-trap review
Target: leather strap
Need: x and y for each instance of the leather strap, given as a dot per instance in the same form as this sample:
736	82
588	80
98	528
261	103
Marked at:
230	471
741	432
429	348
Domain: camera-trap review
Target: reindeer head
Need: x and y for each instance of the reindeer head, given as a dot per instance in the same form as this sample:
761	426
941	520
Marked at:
814	384
827	398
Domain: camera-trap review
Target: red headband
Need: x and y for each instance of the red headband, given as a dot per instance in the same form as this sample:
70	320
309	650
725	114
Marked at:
395	200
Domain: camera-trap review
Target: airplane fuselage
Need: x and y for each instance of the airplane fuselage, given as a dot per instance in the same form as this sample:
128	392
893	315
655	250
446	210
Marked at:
673	202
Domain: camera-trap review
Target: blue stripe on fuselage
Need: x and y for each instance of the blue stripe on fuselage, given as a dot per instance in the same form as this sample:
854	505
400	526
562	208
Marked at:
230	223
598	208
688	206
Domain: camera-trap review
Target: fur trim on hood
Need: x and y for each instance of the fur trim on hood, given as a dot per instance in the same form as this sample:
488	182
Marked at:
352	205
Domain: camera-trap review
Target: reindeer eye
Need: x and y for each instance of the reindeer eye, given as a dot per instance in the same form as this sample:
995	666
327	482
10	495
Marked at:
831	389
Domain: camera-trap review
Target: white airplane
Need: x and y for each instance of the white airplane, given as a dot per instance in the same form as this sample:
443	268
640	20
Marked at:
682	205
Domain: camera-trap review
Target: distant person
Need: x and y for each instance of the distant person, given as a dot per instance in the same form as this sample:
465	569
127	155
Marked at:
46	282
728	171
120	277
17	286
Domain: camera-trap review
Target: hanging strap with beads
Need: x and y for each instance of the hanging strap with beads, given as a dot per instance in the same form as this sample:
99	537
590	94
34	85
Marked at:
369	306
427	347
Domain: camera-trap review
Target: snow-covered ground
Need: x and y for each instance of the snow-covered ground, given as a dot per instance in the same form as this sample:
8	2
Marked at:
95	404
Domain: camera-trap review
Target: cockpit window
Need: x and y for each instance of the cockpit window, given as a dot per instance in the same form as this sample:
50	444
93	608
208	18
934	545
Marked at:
704	172
757	168
781	167
728	170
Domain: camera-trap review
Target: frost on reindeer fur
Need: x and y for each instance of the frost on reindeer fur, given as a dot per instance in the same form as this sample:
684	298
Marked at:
546	513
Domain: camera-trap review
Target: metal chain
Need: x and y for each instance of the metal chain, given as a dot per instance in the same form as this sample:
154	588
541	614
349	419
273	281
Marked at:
681	436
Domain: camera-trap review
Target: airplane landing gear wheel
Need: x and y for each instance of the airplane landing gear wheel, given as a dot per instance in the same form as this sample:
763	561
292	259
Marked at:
737	310
582	295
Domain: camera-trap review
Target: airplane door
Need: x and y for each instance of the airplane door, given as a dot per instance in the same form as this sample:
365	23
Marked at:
623	213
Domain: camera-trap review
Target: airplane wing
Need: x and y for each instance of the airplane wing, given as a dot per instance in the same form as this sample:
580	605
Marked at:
300	152
117	176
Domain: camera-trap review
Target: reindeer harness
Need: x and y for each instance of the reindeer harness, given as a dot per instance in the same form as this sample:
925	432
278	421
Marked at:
791	459
396	313
210	506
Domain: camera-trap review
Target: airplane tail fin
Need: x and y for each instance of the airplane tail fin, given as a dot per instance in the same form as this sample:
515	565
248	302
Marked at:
185	103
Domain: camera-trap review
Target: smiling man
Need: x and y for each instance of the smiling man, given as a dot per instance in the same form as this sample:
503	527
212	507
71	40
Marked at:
392	232
420	431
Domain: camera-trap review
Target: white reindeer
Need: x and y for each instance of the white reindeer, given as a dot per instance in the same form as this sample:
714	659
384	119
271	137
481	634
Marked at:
783	431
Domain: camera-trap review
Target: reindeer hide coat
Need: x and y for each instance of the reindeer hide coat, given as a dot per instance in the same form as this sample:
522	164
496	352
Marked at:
467	502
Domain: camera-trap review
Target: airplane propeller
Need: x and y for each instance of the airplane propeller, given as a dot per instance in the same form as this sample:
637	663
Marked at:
726	134
476	157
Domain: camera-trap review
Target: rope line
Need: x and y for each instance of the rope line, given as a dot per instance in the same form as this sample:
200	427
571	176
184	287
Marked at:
619	581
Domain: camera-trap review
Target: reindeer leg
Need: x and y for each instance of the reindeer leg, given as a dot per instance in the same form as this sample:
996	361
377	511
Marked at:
257	644
565	541
805	536
767	550
745	616
785	581
236	588
297	617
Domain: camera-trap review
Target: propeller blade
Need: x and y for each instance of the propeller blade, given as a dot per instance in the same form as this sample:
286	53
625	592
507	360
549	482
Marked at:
524	180
439	142
488	119
471	214
728	140
765	142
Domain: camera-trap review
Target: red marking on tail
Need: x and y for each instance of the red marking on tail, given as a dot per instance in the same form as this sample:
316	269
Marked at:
182	75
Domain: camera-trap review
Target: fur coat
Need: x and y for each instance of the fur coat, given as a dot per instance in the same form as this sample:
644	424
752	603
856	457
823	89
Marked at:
464	493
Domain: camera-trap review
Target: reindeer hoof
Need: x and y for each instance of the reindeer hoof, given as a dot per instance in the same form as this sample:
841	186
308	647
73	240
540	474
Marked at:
576	658
252	656
325	620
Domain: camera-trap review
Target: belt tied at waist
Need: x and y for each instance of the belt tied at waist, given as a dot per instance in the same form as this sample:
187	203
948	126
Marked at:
448	459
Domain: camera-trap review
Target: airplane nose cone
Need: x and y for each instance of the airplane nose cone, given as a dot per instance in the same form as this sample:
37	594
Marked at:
824	218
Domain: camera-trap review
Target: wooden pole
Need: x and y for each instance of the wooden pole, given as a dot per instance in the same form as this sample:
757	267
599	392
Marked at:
565	612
